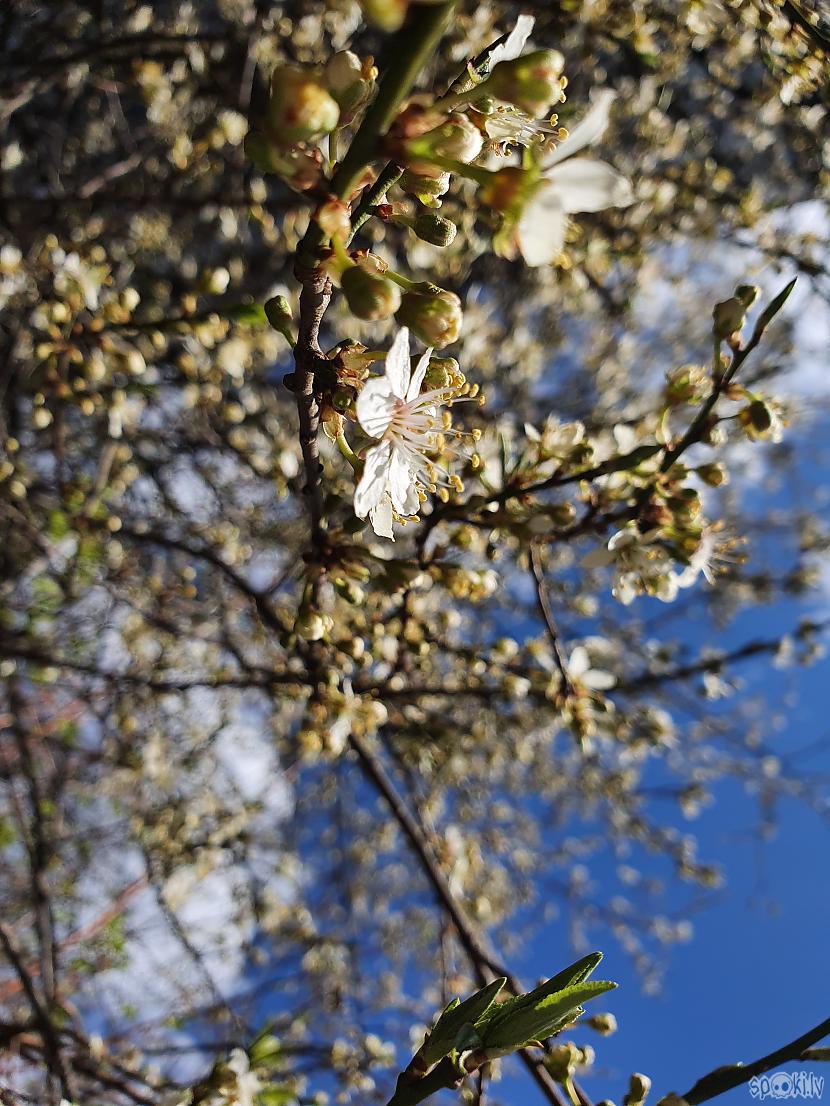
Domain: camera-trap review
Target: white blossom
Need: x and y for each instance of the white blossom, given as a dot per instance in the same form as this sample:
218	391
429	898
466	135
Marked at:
640	566
247	1082
514	43
392	408
570	185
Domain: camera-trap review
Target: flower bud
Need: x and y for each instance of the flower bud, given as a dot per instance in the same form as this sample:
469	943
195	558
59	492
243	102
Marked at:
604	1024
456	138
757	416
531	81
638	1088
334	218
434	228
728	317
714	474
428	188
351	82
747	294
310	625
433	315
299	109
278	314
369	294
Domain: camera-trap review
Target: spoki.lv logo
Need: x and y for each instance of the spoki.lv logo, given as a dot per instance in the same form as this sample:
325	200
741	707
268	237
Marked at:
785	1084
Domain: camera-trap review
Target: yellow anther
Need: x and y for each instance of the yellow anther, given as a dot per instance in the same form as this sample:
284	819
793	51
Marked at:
476	434
443	495
474	390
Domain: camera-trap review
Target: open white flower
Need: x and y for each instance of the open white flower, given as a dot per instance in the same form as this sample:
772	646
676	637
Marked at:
391	407
514	43
641	566
570	185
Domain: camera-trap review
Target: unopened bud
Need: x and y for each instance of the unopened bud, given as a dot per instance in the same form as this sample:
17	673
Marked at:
715	475
428	188
310	625
434	228
638	1088
369	294
278	314
434	316
350	81
334	218
531	81
455	138
604	1024
300	108
300	169
757	415
728	317
747	294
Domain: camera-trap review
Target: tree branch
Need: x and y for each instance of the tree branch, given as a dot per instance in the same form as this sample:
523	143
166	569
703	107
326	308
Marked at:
724	1079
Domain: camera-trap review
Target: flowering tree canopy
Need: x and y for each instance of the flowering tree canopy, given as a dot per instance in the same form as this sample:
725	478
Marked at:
403	431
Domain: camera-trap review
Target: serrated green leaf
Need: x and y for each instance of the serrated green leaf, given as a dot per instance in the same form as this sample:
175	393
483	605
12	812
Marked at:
519	1022
443	1036
772	309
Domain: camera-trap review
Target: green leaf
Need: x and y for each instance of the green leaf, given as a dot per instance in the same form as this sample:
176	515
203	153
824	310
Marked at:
574	973
769	312
442	1038
533	1017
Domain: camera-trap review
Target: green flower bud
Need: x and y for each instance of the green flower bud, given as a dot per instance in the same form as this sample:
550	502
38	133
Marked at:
531	81
428	188
369	294
434	228
434	316
299	109
278	312
728	317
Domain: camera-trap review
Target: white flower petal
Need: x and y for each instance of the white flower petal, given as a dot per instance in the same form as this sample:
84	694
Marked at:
597	558
595	679
381	519
376	405
400	479
579	662
373	483
589	130
584	184
397	363
515	41
541	229
418	375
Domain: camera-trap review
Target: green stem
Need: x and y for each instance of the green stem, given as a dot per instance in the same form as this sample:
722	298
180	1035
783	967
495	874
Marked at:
409	50
390	174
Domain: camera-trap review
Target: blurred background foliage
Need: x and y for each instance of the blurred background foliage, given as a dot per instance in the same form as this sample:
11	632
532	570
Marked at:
199	828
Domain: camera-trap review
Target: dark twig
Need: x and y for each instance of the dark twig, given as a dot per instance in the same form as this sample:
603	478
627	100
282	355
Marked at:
724	1079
